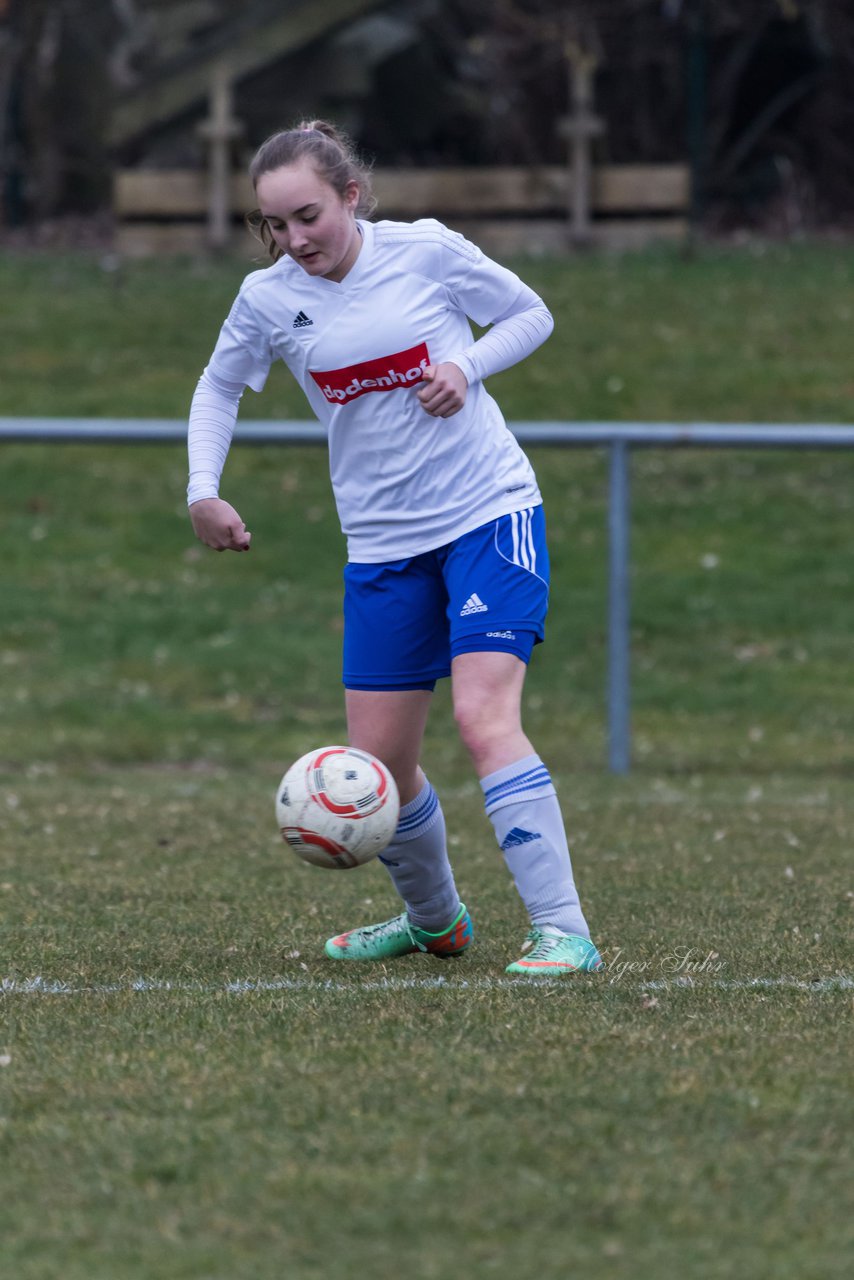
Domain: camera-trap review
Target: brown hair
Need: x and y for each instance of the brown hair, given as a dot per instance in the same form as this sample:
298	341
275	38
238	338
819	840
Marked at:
331	153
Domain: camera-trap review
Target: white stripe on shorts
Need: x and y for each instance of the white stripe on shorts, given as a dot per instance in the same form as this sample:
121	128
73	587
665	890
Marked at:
524	553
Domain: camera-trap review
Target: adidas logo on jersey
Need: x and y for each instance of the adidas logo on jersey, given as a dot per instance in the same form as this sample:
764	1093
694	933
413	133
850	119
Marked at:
474	604
301	320
518	836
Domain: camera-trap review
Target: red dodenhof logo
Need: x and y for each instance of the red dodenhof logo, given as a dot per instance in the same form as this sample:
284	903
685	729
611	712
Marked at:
403	369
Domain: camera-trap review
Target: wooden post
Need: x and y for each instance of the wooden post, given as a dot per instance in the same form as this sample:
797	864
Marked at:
219	131
580	127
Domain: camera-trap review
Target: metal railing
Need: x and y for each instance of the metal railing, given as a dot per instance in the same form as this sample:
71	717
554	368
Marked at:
619	438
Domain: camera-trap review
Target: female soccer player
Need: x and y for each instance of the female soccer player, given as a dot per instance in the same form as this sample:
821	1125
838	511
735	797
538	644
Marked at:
447	569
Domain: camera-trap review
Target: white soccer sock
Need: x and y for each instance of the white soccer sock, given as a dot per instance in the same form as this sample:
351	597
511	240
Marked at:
417	861
522	805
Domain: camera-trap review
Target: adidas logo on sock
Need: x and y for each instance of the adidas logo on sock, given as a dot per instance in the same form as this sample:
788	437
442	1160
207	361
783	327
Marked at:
517	836
474	604
301	320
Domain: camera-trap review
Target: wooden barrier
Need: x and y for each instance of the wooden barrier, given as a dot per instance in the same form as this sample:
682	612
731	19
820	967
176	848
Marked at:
506	210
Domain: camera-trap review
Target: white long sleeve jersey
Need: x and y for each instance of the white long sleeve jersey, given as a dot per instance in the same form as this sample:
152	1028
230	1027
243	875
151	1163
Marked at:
404	482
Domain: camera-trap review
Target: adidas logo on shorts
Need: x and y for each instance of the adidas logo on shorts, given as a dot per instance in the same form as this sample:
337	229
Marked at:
474	604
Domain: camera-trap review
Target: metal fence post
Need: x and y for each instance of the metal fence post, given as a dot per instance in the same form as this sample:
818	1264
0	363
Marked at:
619	607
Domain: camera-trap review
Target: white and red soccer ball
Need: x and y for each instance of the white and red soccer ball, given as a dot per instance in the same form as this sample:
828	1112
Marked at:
337	807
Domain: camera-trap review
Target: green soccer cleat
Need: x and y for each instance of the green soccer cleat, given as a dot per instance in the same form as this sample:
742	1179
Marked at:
550	951
398	937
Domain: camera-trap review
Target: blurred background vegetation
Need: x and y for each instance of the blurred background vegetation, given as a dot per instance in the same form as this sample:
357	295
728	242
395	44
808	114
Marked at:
754	96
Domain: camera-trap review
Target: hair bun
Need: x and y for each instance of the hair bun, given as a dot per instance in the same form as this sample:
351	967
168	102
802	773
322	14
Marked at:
320	126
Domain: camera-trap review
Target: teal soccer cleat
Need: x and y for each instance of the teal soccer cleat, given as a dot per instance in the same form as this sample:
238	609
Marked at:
398	937
550	951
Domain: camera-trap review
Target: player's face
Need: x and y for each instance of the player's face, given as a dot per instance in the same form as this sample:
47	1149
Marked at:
309	220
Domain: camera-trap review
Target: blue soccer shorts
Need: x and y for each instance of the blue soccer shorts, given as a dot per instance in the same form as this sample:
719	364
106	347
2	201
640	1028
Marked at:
405	620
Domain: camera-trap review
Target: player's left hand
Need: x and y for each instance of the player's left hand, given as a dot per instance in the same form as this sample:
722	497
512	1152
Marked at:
443	390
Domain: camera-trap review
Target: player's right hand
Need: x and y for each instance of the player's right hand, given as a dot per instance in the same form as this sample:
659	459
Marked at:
218	525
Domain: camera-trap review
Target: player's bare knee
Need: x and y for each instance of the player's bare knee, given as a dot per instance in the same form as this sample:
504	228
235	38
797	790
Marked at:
478	726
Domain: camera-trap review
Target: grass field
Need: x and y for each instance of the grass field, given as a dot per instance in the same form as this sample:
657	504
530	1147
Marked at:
188	1089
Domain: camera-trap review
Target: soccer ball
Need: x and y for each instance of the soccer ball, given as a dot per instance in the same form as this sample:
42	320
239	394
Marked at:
337	807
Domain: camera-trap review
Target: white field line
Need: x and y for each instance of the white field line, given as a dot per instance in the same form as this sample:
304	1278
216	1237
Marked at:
243	986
